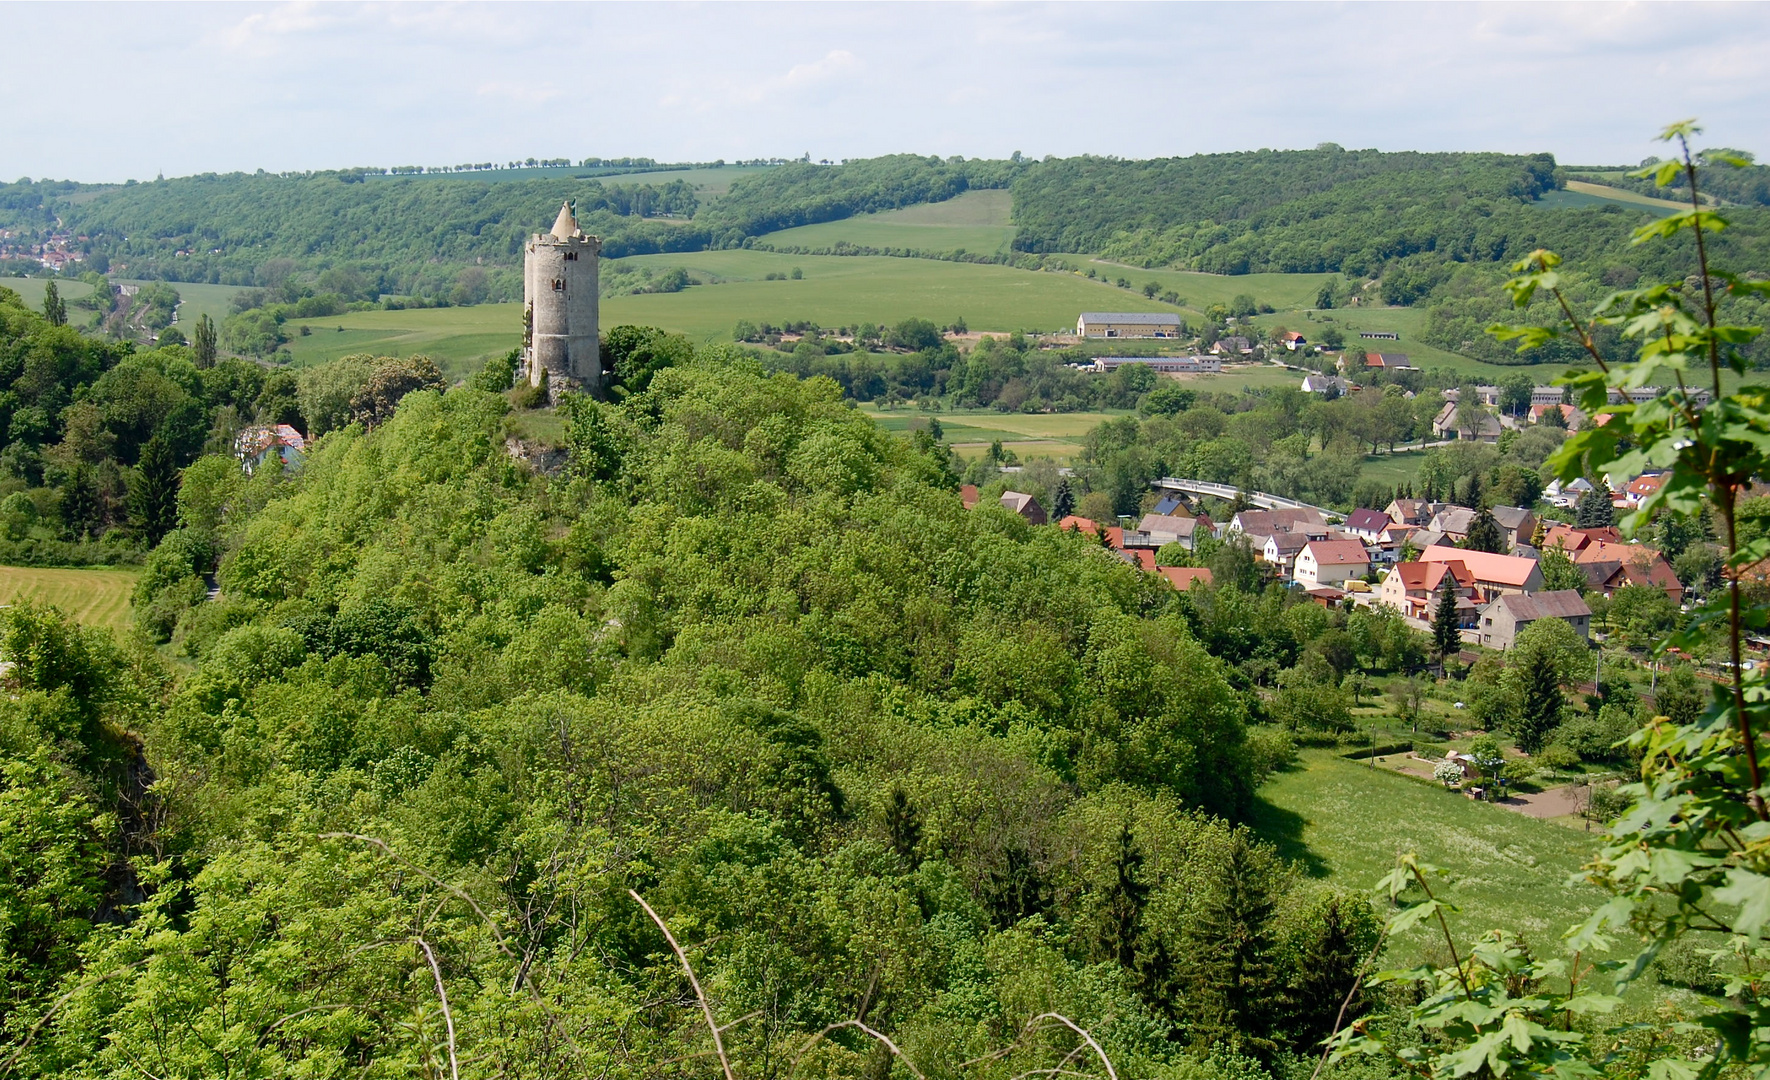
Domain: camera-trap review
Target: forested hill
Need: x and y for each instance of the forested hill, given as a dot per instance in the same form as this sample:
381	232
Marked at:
1088	203
412	234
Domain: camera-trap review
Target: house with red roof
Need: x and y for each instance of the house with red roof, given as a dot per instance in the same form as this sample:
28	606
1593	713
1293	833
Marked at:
1412	588
1495	575
1645	487
1331	563
1185	577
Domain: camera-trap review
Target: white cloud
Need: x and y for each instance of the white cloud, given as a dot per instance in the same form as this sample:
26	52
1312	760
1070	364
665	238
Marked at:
304	85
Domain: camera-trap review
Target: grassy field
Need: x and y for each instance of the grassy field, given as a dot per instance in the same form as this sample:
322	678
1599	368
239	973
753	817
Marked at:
970	431
1393	469
975	221
95	597
1199	291
1346	823
195	301
459	339
30	290
1579	194
1407	321
835	291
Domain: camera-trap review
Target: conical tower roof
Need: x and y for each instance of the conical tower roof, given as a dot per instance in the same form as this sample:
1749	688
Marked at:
565	226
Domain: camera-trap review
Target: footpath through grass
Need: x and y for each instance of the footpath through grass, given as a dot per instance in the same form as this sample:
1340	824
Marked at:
1346	822
97	596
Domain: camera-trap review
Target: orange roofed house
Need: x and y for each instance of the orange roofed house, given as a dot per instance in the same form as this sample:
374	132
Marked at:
1609	564
1412	589
1495	575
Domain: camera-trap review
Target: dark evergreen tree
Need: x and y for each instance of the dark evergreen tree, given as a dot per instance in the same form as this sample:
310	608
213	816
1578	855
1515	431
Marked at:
1125	897
203	342
1594	510
55	309
80	507
153	493
1485	534
1232	987
1540	711
1446	636
1326	968
1474	495
904	826
1063	500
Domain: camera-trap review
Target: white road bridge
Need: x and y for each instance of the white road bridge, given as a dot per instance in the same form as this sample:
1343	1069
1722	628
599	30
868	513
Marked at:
1229	491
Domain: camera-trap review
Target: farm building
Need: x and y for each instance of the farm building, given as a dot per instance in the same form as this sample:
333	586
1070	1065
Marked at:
1379	335
1128	324
1025	505
1388	361
1504	619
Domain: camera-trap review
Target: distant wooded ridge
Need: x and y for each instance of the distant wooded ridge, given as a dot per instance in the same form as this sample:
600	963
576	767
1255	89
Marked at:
1412	222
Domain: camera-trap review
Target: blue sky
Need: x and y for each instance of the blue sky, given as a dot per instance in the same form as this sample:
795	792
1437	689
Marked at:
109	92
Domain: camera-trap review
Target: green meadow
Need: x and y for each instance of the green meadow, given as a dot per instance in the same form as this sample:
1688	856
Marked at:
977	221
1199	291
31	290
195	301
95	597
1346	823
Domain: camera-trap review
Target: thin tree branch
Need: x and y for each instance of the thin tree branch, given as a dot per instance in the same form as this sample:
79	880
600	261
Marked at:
443	996
1071	1025
497	934
706	1009
883	1039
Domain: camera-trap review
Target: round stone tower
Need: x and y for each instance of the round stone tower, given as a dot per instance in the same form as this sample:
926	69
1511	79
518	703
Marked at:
560	307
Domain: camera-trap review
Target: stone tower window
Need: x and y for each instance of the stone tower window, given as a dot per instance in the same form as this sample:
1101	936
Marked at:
571	256
558	285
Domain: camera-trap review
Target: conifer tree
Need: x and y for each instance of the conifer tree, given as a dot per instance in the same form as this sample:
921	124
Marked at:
55	309
1446	637
79	501
203	340
1485	534
1541	709
1594	510
1063	500
1233	988
1125	899
153	494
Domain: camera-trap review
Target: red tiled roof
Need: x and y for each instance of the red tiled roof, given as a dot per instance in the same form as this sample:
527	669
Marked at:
968	495
1338	552
1184	577
1073	522
1510	570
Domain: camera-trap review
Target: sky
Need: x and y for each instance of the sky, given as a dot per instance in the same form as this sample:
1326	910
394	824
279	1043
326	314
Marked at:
100	92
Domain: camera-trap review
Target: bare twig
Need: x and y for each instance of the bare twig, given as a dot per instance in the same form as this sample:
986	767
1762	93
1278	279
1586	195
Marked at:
706	1009
1346	1002
883	1039
443	996
31	1035
1071	1025
439	882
